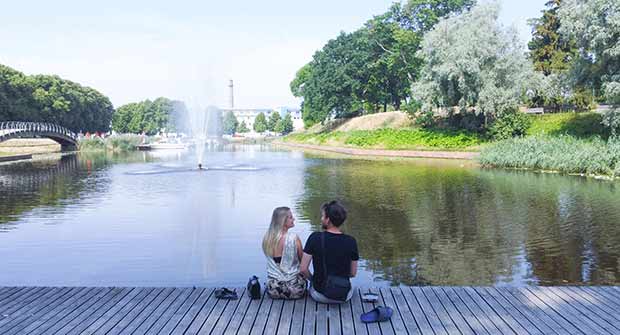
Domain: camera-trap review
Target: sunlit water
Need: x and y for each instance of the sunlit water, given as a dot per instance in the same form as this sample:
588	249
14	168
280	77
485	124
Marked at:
152	219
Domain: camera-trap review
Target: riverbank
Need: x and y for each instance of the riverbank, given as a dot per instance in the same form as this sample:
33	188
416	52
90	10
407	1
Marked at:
460	155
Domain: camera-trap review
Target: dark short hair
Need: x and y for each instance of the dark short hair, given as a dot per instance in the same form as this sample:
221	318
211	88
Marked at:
335	212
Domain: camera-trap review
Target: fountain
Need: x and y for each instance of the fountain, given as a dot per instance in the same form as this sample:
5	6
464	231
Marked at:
204	125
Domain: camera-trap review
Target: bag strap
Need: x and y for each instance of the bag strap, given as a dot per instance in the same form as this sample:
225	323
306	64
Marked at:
324	252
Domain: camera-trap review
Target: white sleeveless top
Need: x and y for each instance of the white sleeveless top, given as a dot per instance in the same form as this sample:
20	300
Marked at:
288	268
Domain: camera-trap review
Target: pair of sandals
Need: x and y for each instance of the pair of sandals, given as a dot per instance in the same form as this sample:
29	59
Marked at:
379	313
224	293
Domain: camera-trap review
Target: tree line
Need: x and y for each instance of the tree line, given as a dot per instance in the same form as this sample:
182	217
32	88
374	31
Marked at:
454	58
45	98
275	123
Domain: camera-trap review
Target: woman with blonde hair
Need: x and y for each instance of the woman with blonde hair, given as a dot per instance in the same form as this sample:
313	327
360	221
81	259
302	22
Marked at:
283	251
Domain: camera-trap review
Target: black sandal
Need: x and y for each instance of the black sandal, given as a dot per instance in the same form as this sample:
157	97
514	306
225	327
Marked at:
224	293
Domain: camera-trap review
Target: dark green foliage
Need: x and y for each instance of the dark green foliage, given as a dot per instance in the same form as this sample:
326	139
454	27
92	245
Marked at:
550	52
285	125
260	123
581	125
243	128
371	69
273	121
144	117
510	125
43	98
230	123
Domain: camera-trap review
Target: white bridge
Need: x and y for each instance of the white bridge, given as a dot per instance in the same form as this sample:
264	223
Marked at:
15	129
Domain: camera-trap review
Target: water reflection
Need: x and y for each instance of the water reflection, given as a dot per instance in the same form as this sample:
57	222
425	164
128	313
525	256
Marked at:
449	225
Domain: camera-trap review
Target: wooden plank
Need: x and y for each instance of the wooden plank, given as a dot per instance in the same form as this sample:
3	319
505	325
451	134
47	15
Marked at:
386	299
98	313
567	311
541	324
321	326
248	319
598	317
126	319
607	293
7	294
485	320
187	319
174	319
451	310
271	327
310	317
590	302
505	313
261	317
201	316
334	324
346	318
595	299
18	311
32	293
600	296
415	309
467	314
523	293
440	310
385	327
229	312
239	314
498	320
135	293
373	328
75	315
411	325
358	310
284	326
109	323
432	317
56	314
297	320
216	315
97	307
141	312
26	318
164	312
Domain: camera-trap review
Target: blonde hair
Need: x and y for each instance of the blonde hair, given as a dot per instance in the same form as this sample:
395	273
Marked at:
274	233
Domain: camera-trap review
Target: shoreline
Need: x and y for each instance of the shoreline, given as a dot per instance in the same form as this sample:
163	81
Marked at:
458	155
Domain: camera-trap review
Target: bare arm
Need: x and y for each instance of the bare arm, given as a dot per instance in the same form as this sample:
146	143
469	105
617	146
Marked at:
300	250
353	268
305	265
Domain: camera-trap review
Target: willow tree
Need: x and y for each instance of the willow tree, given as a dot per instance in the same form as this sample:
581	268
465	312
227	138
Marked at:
473	63
595	25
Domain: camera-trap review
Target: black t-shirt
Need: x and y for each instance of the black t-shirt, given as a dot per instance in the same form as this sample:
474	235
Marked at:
341	250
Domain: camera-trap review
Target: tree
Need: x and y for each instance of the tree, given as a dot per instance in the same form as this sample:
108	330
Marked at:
145	116
595	26
472	63
230	123
273	121
260	123
243	128
285	125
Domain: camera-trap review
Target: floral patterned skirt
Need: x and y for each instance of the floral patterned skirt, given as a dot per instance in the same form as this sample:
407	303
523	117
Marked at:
293	289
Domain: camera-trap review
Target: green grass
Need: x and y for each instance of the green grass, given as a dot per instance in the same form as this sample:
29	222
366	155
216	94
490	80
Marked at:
581	125
398	139
563	153
126	142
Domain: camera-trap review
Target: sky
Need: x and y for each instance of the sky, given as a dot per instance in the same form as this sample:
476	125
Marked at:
189	50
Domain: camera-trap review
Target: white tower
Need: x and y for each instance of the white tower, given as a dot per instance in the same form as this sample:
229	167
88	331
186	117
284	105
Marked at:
232	96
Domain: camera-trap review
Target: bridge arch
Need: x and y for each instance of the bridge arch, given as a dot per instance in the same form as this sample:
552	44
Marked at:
16	129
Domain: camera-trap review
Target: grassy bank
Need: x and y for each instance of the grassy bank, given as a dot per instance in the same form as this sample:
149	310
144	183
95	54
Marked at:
393	139
563	153
580	125
112	143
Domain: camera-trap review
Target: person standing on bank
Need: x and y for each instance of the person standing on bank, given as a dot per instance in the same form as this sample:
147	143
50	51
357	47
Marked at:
333	255
283	251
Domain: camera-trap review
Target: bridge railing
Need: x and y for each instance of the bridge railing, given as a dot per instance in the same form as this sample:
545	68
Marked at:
38	127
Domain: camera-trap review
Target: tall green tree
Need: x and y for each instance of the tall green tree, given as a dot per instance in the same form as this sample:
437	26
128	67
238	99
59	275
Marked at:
230	123
260	123
595	26
473	63
147	116
273	121
243	128
285	125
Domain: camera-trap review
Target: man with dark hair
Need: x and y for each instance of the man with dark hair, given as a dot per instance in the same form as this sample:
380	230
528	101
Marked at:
333	254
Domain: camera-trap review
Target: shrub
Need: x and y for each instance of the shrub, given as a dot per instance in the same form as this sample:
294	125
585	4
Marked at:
510	125
125	142
91	144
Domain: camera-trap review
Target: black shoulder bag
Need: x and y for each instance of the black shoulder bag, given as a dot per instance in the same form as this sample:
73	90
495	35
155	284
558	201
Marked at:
336	287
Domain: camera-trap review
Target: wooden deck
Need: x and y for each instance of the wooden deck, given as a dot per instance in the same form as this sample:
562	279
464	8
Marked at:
425	310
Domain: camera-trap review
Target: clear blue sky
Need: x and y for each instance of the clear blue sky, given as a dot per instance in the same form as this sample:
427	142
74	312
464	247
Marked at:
134	50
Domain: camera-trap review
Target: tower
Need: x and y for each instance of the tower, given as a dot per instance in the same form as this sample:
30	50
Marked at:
232	96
